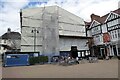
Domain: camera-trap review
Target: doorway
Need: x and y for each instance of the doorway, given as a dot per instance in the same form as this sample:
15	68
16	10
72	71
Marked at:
115	50
102	52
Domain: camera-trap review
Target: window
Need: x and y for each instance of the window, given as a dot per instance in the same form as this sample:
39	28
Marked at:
119	20
4	41
4	48
111	17
112	34
110	23
119	33
115	34
0	47
114	16
114	22
97	38
96	28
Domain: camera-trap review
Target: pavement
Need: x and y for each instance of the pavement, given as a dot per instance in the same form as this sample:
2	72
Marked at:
102	69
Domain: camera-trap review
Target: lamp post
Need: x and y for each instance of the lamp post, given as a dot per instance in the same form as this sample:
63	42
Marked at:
35	31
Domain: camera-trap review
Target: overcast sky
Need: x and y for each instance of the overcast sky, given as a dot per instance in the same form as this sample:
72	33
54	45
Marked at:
9	9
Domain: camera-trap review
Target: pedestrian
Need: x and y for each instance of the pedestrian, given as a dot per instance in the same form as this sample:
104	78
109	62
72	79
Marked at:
77	60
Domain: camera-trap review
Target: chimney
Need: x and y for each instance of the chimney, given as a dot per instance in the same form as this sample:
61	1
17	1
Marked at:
9	30
94	17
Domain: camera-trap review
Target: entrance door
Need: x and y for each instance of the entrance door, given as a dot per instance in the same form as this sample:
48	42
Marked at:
115	50
74	51
102	52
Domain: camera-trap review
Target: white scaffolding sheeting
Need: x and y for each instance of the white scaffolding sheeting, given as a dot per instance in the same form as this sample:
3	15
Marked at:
46	24
49	22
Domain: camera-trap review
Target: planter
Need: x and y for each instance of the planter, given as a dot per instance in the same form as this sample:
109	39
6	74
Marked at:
38	60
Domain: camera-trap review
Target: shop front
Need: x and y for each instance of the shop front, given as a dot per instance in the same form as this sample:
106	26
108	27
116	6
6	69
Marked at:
114	49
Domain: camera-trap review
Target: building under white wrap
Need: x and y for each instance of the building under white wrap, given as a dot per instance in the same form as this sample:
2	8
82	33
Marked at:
51	29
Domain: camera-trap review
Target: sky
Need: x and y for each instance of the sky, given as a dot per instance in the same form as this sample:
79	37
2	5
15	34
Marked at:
10	9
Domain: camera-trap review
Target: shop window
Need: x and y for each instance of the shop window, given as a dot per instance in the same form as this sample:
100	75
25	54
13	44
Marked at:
83	54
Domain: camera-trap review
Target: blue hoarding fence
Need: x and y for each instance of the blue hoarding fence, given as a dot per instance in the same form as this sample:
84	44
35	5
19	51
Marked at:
16	60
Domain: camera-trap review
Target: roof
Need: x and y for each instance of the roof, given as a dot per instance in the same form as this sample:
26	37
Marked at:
117	11
87	24
11	35
103	18
95	17
100	19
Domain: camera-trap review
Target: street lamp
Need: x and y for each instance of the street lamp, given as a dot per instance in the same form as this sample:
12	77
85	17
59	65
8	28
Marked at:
35	31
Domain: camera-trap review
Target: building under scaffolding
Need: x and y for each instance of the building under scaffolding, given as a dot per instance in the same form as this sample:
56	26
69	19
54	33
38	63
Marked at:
51	30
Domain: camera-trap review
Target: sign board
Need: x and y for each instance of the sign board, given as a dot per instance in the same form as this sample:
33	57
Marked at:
35	54
106	37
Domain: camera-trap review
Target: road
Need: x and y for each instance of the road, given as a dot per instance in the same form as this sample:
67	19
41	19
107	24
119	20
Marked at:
102	69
